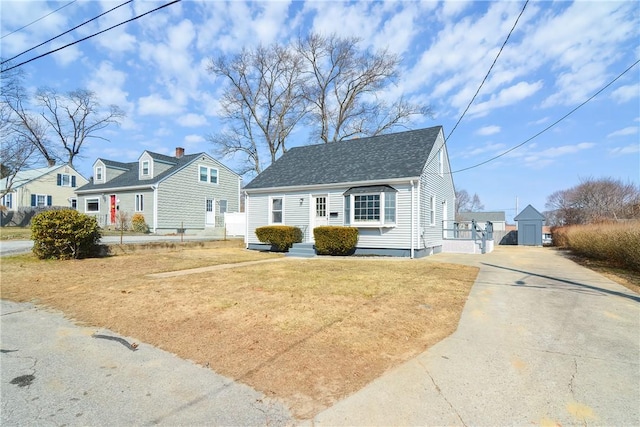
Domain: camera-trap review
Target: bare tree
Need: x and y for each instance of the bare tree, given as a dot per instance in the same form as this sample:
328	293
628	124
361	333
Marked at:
594	200
75	117
16	150
467	203
262	103
342	87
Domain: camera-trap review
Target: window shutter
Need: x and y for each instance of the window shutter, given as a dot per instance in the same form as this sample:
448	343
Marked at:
49	201
73	180
33	200
59	181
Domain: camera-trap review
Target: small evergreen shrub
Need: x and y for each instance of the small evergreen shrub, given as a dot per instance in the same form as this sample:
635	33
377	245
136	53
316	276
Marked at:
138	223
332	240
280	237
64	234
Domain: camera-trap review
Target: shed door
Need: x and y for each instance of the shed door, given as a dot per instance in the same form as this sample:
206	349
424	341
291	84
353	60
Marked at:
210	212
529	237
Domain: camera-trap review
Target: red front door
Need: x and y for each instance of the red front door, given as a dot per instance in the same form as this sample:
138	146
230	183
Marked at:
112	209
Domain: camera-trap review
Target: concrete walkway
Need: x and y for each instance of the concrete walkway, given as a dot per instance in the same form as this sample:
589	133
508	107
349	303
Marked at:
542	341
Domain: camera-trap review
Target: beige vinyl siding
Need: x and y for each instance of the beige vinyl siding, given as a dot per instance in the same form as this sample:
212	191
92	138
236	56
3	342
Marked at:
47	185
182	197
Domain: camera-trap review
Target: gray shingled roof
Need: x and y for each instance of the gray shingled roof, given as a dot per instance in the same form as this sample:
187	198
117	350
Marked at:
397	155
482	216
130	178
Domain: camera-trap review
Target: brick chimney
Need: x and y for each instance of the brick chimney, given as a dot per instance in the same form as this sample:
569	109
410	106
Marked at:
179	152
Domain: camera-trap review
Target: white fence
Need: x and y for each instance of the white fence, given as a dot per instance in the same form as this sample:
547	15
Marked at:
235	223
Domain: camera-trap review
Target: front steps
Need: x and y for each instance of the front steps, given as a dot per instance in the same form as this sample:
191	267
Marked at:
302	250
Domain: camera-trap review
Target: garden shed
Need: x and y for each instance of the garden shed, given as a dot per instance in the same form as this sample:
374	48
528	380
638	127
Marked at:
530	227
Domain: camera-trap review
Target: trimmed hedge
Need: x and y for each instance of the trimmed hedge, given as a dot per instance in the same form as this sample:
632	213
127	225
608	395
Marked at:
334	240
64	234
280	237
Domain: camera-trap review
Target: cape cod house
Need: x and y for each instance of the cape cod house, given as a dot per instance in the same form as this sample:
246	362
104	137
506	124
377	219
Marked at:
190	192
396	189
41	188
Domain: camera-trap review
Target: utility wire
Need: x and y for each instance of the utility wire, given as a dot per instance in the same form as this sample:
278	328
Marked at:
39	19
66	32
552	124
488	72
88	37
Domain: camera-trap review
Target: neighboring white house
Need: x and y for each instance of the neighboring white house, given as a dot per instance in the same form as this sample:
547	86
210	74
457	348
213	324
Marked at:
497	218
191	192
396	189
41	188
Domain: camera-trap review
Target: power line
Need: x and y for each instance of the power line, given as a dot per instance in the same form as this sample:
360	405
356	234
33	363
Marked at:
39	19
66	32
552	124
488	72
88	37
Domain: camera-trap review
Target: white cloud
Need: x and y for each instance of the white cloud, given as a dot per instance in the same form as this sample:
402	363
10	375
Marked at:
192	120
154	104
631	130
626	150
488	130
626	93
508	96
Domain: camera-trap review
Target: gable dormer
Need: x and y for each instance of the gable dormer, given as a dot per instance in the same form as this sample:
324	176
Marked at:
145	166
99	172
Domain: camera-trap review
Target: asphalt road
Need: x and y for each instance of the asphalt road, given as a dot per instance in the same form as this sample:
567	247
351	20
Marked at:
12	247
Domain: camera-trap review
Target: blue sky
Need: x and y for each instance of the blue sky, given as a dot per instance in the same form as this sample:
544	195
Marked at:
560	54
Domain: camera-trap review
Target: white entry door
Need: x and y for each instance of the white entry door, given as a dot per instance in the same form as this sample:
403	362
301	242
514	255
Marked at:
320	215
210	212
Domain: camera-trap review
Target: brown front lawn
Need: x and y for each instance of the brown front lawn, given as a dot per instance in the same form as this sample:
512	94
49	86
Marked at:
306	331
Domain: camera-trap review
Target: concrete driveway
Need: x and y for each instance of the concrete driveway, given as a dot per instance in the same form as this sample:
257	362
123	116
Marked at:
542	341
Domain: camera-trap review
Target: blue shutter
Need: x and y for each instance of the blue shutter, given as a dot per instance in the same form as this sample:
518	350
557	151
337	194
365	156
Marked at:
33	200
49	201
59	179
73	180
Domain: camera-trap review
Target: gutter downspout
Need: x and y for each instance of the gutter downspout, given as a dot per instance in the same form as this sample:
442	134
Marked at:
246	220
412	218
155	208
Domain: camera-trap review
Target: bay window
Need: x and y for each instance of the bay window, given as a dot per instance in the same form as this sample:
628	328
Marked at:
372	206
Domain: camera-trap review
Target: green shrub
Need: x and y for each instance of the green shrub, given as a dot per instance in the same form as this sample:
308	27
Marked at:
138	223
331	240
64	234
280	237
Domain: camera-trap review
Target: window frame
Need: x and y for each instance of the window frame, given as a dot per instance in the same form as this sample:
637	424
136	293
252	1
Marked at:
272	211
99	173
86	204
432	210
381	221
145	164
210	174
221	203
8	198
139	202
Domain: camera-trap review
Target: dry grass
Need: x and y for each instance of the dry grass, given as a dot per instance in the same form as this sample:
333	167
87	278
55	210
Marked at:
308	332
623	276
15	233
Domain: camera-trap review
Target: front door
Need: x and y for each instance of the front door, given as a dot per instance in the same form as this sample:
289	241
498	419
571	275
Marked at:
112	209
320	216
210	213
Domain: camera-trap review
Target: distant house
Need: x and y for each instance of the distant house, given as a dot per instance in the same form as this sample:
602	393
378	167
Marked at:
41	188
396	189
497	218
530	222
189	192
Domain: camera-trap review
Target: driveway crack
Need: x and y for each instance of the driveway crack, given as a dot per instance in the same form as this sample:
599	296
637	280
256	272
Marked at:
442	394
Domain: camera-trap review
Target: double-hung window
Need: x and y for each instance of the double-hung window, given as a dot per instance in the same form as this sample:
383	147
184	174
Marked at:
139	202
432	210
207	174
7	201
40	200
66	180
98	173
276	210
373	206
145	168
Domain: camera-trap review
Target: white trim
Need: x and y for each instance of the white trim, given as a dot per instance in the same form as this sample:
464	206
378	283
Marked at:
86	200
208	180
149	169
372	224
114	189
318	188
246	223
139	202
412	238
271	198
432	210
